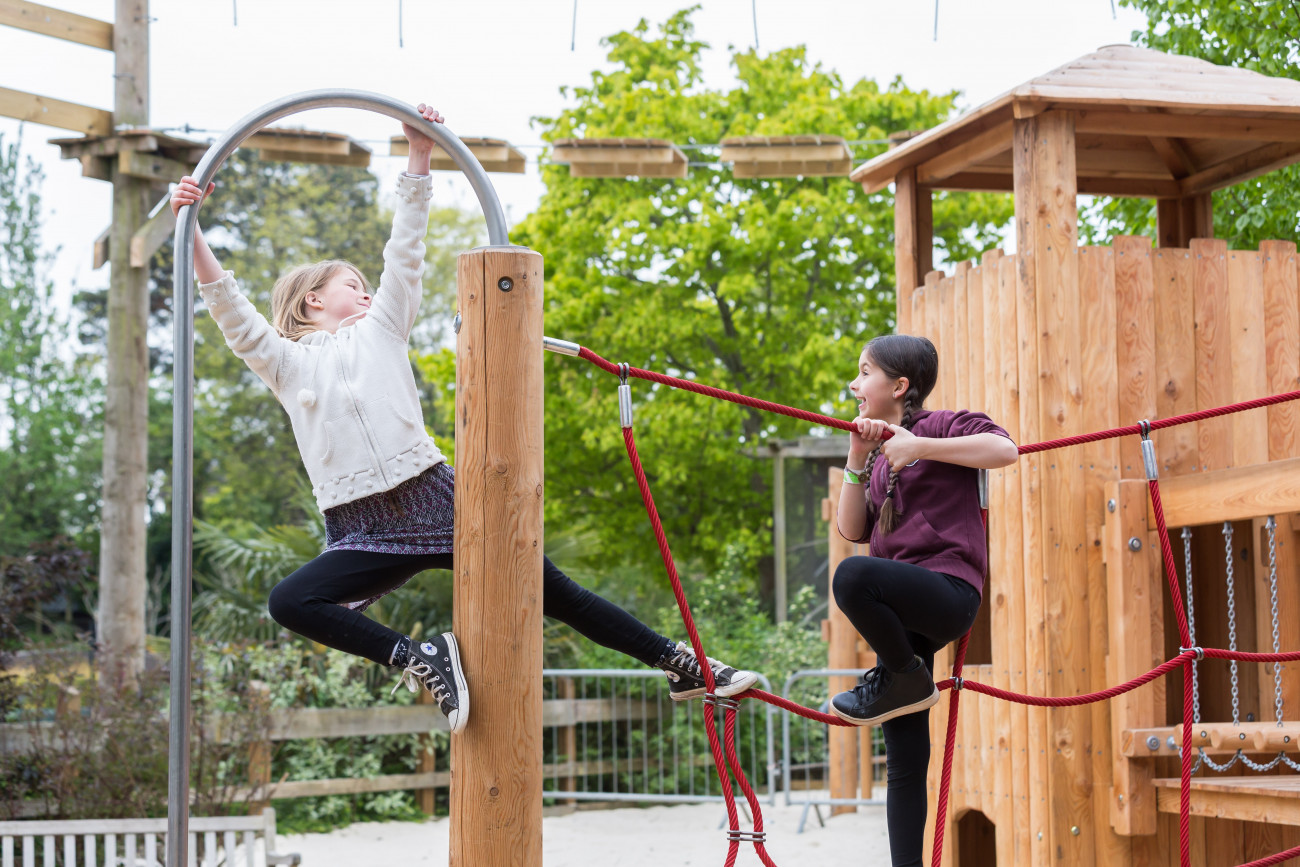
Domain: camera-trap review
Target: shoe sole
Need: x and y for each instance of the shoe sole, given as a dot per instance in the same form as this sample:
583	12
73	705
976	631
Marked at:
737	686
461	713
915	707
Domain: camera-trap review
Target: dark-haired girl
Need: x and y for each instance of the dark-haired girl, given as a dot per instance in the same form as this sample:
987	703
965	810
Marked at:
915	498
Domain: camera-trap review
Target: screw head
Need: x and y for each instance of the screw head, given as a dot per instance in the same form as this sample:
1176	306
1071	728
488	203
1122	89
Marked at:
505	284
1153	743
455	323
1074	829
1134	544
1110	505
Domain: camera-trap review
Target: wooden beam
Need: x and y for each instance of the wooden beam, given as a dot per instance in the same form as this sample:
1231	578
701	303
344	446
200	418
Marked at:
101	248
43	110
361	160
1251	164
153	234
1218	126
1233	494
298	142
1274	800
965	155
48	21
1174	155
151	167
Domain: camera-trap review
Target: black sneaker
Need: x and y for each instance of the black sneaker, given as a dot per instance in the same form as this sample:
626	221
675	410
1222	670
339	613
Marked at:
882	695
435	665
686	680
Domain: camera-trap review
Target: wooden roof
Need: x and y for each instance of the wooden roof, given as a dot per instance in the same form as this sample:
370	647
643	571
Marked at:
620	157
1147	124
785	156
495	154
308	146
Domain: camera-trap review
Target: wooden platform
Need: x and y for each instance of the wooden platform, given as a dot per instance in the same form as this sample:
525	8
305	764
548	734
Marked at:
1269	799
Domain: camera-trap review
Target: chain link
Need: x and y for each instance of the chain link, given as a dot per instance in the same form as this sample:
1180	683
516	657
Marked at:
1191	623
1232	621
1267	766
1271	526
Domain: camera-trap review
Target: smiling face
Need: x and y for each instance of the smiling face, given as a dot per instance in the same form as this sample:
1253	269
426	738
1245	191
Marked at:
342	301
879	395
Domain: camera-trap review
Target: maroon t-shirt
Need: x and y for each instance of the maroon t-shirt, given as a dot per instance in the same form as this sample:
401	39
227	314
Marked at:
938	526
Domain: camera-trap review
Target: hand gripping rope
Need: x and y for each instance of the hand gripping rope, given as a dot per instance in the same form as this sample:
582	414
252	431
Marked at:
726	759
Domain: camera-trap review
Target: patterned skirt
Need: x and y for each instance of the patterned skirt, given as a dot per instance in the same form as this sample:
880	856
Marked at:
416	517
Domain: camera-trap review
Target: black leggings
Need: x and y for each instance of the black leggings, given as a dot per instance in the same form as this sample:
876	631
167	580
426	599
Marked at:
308	603
904	611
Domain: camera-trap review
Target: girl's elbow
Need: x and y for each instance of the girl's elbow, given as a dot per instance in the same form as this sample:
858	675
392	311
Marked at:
1011	454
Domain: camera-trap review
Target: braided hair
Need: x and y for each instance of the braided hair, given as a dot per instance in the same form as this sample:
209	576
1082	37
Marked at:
913	358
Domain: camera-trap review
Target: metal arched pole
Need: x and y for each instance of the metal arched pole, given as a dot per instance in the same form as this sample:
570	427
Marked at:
183	397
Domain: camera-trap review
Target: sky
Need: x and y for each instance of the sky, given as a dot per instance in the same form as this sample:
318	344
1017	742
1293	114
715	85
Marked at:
490	66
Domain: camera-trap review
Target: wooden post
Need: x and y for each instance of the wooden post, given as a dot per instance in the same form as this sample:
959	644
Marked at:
1178	221
121	547
778	535
496	762
426	762
259	751
913	244
842	741
569	740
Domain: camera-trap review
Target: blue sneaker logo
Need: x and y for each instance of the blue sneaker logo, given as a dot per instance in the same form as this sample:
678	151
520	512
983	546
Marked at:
428	648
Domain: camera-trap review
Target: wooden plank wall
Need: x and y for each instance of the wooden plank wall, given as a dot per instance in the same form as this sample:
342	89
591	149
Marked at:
1161	332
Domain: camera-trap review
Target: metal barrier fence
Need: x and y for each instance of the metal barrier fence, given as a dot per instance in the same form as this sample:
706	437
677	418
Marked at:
805	755
623	739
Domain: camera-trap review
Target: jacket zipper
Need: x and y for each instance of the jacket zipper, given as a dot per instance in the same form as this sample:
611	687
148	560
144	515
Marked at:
361	419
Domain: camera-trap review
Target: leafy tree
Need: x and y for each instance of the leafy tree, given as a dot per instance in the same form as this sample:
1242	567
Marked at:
49	453
763	286
1251	34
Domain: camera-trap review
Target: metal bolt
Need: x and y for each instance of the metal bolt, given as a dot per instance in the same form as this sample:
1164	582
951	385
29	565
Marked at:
1074	829
1135	544
1153	743
1110	505
455	323
1040	835
1171	743
505	284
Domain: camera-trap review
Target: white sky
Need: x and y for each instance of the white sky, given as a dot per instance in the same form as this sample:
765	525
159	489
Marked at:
490	65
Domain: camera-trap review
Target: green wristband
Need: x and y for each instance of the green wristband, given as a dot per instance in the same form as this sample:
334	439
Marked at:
853	477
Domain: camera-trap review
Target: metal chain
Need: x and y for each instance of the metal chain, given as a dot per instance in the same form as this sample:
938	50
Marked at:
1271	525
1191	623
1286	760
1267	766
1232	620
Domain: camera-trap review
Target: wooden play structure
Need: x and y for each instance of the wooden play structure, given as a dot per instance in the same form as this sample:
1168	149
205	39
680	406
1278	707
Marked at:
1058	339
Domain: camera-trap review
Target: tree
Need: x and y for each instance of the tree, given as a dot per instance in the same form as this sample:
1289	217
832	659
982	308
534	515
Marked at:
1251	34
49	394
767	287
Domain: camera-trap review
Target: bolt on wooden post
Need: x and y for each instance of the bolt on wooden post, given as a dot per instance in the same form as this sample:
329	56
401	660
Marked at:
496	762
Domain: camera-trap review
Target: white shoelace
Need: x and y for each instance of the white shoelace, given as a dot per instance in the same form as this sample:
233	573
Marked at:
686	658
415	674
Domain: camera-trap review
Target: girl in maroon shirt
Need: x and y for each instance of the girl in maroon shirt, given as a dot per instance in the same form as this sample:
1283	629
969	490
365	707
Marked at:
915	498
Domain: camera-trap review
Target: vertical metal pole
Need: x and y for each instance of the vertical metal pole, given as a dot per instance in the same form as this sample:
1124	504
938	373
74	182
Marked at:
178	740
781	578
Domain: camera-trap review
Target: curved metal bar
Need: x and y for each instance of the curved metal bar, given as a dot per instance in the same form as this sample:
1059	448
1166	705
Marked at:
178	783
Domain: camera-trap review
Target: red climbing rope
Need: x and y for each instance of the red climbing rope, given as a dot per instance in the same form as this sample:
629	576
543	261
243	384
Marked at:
956	683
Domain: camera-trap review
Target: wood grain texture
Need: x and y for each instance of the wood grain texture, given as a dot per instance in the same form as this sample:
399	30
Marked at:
496	762
1213	351
1173	272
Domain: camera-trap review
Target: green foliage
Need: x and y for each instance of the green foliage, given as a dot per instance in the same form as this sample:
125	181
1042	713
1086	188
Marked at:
1261	35
49	395
768	287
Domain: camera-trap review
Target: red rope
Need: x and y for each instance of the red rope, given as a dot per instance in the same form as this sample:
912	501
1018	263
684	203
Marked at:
1185	658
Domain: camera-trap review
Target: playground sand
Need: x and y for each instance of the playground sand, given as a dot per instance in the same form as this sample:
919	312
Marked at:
675	836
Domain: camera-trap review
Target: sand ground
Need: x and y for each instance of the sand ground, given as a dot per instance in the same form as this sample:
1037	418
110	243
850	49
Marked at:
666	836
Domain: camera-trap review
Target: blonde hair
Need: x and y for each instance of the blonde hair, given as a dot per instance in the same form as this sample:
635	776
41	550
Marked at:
289	297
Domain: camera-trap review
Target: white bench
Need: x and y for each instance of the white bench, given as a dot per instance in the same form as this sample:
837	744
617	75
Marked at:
218	841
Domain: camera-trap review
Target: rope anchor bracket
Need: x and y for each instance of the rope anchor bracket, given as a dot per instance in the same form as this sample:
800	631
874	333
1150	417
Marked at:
624	398
1148	451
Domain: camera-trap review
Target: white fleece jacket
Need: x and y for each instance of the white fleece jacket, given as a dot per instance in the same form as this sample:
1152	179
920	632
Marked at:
350	395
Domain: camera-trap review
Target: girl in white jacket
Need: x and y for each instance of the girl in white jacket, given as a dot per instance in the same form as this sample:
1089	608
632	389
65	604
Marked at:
337	360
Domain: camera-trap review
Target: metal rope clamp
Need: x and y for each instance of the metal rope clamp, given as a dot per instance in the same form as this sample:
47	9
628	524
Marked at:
624	397
751	836
1199	651
721	701
1148	451
959	683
